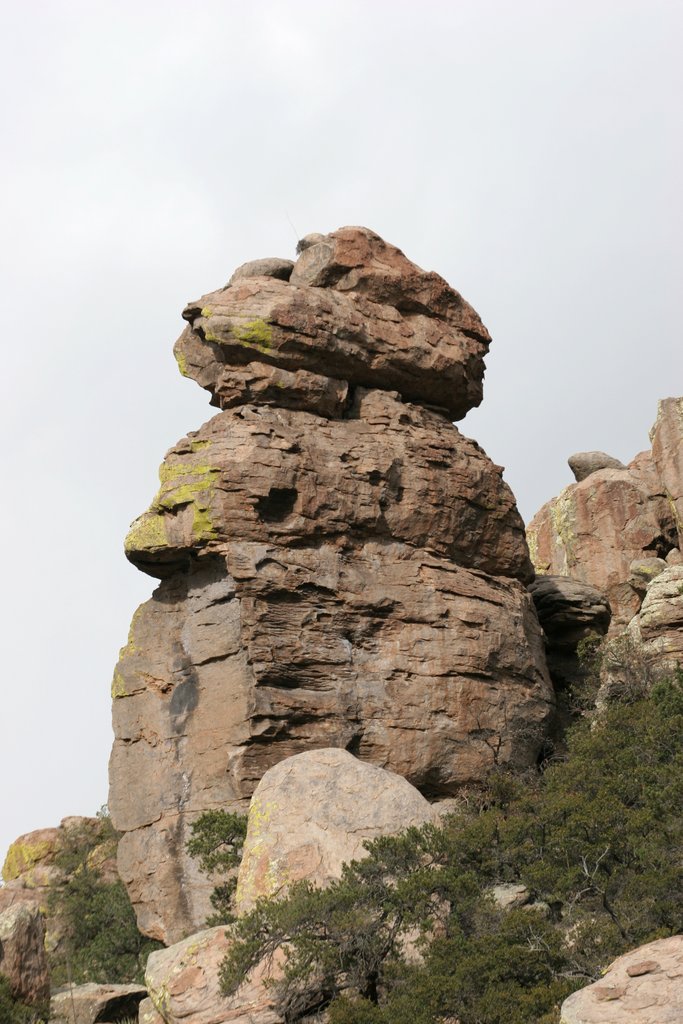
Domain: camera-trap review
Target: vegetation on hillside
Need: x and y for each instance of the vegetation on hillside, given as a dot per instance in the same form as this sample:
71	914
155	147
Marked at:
412	934
98	934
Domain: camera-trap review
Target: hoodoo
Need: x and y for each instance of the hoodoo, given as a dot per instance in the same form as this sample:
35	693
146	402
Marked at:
338	565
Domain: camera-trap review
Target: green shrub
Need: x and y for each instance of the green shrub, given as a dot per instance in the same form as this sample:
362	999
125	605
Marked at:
217	841
597	839
14	1012
99	939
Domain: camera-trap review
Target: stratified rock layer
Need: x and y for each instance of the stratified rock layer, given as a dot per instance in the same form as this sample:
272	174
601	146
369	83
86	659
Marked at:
340	567
312	813
597	528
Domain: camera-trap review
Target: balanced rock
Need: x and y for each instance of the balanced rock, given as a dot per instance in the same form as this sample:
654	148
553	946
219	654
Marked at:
22	953
584	463
339	566
597	527
184	985
92	1003
312	813
644	986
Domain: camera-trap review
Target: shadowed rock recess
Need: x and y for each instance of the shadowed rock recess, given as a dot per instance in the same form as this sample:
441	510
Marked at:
339	566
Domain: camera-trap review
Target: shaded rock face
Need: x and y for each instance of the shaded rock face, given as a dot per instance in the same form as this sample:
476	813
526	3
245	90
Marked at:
184	987
22	953
297	831
598	527
92	1003
569	612
644	986
339	566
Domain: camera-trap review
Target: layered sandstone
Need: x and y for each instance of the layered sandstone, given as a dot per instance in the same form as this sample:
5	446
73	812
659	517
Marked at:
606	529
339	566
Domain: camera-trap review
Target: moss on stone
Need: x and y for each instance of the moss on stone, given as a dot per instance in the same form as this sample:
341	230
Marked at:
118	686
187	483
562	516
22	857
147	533
181	361
256	333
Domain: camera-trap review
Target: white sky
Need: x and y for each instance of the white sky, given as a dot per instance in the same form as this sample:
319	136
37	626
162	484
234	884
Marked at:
530	152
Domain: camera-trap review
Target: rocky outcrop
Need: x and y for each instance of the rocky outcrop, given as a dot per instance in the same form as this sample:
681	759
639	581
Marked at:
658	627
184	985
569	612
613	519
91	1003
312	813
643	987
339	566
22	954
667	452
32	869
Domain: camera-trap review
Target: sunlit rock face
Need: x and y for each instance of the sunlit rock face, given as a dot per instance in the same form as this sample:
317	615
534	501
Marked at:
613	527
339	566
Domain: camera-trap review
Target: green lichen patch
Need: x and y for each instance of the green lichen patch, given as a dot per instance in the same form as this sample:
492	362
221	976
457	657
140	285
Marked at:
181	361
23	856
118	686
256	333
188	483
147	533
197	446
207	312
563	519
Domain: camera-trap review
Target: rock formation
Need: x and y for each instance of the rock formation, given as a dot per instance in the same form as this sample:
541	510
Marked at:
600	529
31	871
92	1003
339	566
22	954
184	988
644	986
312	813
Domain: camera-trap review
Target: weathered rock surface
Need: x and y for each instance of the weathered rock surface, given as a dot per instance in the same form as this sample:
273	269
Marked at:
184	987
658	627
643	987
31	871
22	953
584	463
667	452
354	309
340	567
569	612
595	529
91	1003
312	813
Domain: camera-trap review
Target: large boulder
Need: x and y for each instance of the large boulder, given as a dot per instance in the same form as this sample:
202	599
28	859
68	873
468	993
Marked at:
312	813
658	627
22	953
644	986
339	566
184	986
582	464
92	1003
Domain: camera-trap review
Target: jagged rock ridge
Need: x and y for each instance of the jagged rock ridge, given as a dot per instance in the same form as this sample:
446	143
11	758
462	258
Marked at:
339	566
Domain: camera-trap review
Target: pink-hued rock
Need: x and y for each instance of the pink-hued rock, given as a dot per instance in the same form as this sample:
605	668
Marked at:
596	528
340	567
22	953
644	986
667	452
354	309
184	988
91	1003
312	813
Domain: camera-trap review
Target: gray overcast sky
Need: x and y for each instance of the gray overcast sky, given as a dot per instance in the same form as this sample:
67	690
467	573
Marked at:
530	152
